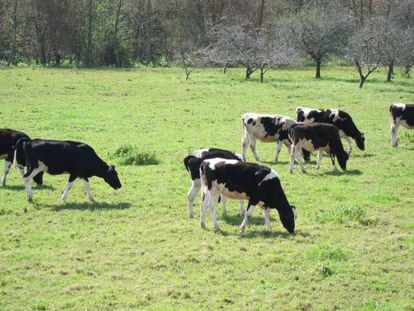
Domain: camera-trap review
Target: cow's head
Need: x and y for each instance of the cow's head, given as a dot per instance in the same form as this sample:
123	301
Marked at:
342	159
288	218
111	177
360	141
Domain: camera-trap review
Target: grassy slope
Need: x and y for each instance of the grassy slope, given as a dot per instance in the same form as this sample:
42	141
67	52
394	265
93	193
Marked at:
138	249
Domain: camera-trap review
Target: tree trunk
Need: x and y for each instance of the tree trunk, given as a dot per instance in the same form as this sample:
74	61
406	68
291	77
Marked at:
407	69
362	80
225	68
390	71
88	59
361	12
261	13
318	69
262	72
118	12
149	34
13	58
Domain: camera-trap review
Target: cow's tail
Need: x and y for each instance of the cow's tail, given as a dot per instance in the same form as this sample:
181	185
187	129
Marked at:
19	151
187	162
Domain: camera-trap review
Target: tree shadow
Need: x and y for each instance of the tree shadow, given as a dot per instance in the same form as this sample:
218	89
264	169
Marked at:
89	206
34	187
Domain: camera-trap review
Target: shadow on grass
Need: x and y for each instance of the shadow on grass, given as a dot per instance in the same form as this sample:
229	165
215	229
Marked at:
347	172
90	206
274	163
273	234
362	155
34	187
236	220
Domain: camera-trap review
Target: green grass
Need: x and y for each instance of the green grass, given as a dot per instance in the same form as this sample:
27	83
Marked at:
131	155
137	248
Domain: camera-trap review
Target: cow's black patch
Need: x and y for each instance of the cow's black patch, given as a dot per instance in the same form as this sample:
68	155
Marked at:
406	115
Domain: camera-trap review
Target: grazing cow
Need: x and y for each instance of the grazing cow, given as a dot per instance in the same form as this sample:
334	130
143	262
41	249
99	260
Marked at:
258	184
342	120
317	137
192	163
266	128
59	157
401	114
8	139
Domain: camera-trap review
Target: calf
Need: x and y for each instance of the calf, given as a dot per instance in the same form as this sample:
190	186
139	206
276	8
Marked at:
8	139
59	157
244	181
342	120
192	163
266	128
401	114
317	137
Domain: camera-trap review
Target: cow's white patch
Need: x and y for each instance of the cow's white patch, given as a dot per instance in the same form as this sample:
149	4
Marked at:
7	165
213	162
199	153
69	186
295	214
233	194
400	106
271	175
88	190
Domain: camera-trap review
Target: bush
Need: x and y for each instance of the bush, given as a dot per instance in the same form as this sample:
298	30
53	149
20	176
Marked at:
131	155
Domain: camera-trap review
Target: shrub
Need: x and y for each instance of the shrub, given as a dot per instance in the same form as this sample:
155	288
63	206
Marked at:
131	155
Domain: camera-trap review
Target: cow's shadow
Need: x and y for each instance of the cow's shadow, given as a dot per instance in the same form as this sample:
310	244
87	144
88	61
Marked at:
89	206
236	220
273	234
347	172
21	187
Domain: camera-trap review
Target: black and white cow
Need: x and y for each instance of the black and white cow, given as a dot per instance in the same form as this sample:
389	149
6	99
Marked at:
266	128
239	180
8	140
342	120
401	114
317	137
56	157
192	163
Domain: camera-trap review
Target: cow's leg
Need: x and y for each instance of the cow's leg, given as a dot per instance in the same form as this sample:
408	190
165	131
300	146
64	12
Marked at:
88	189
192	193
253	147
278	148
213	204
69	186
394	130
27	179
333	162
266	214
245	143
7	165
292	159
242	211
319	159
203	208
294	156
223	204
248	212
349	141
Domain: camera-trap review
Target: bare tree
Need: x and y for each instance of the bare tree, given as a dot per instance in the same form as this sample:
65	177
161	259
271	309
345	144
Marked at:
365	49
88	56
320	32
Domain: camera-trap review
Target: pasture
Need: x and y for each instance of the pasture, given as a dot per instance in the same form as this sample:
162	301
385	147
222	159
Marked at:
137	248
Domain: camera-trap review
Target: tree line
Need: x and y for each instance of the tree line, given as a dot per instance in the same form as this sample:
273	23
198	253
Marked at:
255	34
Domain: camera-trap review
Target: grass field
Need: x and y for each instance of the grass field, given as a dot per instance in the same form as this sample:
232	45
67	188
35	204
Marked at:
137	248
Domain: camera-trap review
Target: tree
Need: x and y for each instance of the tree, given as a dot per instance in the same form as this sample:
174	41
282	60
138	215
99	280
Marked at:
320	31
365	49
